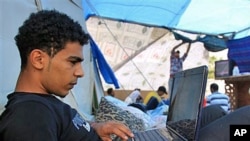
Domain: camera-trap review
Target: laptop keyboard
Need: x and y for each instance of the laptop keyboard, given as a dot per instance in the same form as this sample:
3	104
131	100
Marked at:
162	134
151	135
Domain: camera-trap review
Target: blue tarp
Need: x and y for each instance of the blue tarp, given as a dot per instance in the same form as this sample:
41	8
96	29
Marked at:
211	17
151	12
239	51
215	19
104	68
162	13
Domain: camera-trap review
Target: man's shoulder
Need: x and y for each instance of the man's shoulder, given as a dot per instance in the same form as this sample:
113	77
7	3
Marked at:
218	94
37	100
20	97
29	112
37	107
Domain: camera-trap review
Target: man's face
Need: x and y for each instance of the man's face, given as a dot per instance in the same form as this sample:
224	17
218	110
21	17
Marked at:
62	71
177	55
160	93
112	93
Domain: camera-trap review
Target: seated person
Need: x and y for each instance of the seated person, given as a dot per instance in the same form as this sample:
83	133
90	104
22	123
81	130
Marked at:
218	98
139	106
111	92
152	100
164	102
134	97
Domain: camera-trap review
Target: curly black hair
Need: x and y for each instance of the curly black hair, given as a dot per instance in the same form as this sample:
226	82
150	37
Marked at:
48	30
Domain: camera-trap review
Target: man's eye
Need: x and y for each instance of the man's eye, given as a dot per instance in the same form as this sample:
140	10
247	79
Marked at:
73	62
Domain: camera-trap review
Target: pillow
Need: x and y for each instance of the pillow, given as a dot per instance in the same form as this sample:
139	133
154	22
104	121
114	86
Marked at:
148	122
107	111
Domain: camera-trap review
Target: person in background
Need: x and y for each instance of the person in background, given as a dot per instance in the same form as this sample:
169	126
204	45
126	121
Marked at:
111	92
218	98
134	96
50	44
152	100
176	62
139	99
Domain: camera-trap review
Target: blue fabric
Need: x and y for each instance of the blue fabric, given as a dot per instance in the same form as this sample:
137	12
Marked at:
212	43
164	102
239	51
103	66
161	13
194	16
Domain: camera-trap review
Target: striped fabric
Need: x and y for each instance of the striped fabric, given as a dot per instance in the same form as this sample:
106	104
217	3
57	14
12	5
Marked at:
219	99
239	51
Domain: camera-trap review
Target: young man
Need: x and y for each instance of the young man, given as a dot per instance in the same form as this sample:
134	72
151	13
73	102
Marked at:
153	99
50	45
218	98
134	96
176	62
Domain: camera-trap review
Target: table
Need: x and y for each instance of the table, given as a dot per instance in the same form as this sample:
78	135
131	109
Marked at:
238	89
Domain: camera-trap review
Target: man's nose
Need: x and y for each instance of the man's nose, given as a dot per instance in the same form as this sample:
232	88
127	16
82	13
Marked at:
79	71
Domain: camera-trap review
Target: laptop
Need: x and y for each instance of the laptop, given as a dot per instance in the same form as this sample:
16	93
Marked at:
186	99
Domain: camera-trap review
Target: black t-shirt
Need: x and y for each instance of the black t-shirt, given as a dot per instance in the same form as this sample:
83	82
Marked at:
39	117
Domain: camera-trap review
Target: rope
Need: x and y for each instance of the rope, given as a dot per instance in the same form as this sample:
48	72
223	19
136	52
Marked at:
102	21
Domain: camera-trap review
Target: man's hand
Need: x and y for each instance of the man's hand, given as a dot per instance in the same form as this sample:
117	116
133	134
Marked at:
105	129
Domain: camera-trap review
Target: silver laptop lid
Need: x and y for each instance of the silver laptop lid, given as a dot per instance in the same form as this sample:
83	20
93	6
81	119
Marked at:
186	99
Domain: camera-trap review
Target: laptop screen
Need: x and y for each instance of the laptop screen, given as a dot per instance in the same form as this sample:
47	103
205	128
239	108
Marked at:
186	98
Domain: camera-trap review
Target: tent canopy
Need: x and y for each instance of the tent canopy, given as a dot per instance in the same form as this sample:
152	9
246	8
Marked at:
210	17
133	33
164	13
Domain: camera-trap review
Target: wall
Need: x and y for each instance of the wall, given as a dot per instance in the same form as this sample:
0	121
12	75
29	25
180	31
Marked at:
122	94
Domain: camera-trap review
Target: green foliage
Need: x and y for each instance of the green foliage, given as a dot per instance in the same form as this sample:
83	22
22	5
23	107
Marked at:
211	67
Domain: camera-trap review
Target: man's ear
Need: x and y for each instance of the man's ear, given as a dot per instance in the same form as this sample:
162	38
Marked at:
37	58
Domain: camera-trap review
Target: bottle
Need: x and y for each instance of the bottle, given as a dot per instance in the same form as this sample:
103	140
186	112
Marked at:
236	71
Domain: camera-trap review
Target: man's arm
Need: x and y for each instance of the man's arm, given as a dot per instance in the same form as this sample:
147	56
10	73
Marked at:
188	48
186	53
208	100
173	50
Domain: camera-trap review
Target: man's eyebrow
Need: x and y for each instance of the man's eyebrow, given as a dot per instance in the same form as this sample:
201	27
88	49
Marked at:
76	58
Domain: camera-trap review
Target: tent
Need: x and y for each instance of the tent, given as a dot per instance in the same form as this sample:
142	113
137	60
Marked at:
210	17
134	33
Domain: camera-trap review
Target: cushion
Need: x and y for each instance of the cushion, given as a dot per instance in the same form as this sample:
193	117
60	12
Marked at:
117	102
148	123
107	111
